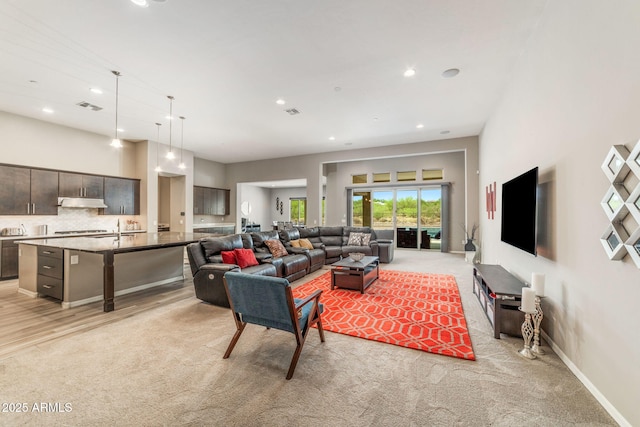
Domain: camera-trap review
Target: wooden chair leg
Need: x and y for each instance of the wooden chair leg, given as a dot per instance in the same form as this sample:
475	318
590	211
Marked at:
234	340
320	330
294	360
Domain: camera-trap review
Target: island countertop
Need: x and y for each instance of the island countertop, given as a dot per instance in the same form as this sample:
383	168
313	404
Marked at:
110	246
125	243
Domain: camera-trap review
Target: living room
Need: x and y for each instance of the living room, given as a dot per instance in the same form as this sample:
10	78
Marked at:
571	95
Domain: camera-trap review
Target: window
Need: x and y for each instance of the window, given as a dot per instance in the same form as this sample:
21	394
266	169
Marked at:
406	176
298	209
432	174
359	179
382	177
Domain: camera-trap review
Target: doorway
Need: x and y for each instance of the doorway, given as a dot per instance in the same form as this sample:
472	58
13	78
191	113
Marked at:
414	215
171	203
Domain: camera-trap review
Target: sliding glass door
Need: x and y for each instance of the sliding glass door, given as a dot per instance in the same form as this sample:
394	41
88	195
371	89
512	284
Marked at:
415	215
407	219
382	208
430	218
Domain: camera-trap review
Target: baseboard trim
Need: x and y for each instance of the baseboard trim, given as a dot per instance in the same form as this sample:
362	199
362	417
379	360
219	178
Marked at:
617	416
66	304
28	293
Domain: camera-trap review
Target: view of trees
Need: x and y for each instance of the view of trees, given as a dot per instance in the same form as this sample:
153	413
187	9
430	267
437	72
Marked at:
407	212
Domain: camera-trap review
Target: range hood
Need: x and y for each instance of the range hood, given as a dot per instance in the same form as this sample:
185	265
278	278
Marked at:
80	202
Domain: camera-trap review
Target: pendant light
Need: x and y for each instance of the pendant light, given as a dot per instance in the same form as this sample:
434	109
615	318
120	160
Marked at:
115	142
182	165
158	168
170	154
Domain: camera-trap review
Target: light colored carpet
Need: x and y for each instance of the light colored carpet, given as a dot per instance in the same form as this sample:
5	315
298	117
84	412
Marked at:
164	366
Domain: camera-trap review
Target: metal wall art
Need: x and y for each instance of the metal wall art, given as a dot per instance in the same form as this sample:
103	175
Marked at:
622	235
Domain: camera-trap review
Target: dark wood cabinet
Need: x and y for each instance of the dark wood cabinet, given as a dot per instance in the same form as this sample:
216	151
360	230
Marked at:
9	265
80	185
198	200
15	191
44	192
122	196
26	191
50	272
224	202
211	201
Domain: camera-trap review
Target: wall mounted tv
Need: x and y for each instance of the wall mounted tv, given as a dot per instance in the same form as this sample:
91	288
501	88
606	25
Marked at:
519	211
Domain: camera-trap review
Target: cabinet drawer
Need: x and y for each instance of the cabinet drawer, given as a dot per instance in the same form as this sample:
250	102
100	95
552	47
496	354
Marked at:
51	267
50	286
48	251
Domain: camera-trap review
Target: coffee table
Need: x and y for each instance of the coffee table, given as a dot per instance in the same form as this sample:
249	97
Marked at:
356	275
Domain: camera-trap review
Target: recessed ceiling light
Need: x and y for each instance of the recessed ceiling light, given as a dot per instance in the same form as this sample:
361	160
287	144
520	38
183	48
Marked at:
410	72
168	117
120	130
141	3
419	126
47	110
332	138
280	101
96	90
451	72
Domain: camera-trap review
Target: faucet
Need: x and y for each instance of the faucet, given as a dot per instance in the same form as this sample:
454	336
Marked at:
119	231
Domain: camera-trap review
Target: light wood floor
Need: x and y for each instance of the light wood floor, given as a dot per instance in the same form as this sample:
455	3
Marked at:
26	321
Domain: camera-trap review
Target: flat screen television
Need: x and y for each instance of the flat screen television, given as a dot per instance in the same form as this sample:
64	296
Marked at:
519	211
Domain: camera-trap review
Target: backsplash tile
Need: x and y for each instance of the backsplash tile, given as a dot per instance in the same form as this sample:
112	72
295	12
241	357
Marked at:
67	219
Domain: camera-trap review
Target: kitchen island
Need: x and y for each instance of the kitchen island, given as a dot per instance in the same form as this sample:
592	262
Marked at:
81	270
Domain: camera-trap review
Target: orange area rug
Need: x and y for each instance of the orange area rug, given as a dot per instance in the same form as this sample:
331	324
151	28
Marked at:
415	310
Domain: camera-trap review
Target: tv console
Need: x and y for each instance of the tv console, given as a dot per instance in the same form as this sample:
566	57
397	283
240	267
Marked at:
499	294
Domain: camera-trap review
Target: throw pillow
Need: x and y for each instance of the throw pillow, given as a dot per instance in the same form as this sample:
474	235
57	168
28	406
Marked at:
306	243
295	243
366	238
228	257
355	239
276	248
245	258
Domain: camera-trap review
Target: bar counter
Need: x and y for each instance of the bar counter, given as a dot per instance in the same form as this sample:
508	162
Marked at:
120	264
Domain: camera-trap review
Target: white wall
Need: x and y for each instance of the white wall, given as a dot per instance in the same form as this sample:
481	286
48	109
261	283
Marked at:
575	93
261	206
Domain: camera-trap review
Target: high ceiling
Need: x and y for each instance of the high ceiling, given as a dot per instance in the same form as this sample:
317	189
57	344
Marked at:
340	63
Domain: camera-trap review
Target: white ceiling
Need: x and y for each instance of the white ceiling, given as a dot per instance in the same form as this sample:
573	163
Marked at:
339	62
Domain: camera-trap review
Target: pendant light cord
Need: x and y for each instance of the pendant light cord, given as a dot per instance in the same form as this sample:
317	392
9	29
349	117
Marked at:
170	120
117	74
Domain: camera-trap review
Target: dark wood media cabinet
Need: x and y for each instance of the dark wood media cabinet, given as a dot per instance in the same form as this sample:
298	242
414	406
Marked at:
499	294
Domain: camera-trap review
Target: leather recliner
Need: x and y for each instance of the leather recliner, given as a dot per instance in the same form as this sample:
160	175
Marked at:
208	269
291	267
316	256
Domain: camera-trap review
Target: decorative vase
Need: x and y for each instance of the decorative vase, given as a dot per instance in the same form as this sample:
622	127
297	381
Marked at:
469	251
469	246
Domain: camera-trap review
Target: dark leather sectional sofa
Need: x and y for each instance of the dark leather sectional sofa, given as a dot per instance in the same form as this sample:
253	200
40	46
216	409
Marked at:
329	245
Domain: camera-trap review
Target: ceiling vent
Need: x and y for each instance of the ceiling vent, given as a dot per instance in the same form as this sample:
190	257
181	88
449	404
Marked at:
292	111
85	104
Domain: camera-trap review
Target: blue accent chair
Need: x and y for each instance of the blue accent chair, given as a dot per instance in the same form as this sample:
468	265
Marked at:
268	301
